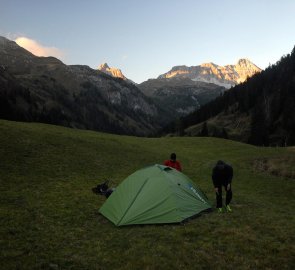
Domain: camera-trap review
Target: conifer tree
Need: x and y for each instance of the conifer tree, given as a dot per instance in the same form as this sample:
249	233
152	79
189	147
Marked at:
259	129
204	132
224	134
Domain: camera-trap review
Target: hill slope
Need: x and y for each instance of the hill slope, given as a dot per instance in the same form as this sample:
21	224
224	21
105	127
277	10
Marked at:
43	89
180	96
49	216
260	111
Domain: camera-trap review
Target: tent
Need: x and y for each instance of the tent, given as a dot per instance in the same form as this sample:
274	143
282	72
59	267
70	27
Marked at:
155	194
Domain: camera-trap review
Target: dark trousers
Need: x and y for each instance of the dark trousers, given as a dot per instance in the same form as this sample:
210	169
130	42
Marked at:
228	198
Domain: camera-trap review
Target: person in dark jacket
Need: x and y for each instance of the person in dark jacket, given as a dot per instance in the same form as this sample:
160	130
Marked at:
173	162
222	175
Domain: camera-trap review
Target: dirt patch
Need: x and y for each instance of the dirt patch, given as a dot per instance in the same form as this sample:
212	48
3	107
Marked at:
284	166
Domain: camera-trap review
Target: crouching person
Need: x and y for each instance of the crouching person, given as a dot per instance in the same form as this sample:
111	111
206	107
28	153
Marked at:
222	175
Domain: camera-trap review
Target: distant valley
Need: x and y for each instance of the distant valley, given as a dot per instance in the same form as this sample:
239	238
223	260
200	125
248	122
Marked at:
43	89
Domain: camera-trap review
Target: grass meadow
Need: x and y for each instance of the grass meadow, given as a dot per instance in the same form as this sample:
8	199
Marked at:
50	220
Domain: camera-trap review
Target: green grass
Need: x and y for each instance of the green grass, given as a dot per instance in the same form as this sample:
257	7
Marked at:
50	219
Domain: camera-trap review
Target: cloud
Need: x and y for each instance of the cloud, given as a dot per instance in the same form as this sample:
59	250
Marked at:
37	49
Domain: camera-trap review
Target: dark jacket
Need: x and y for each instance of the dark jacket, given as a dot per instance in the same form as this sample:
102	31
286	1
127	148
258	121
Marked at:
222	175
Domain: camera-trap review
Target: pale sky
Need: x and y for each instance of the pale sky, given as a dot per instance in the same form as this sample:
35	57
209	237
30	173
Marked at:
146	38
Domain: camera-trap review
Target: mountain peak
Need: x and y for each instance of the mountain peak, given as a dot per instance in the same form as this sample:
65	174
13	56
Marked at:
244	62
115	72
210	64
226	76
103	66
245	68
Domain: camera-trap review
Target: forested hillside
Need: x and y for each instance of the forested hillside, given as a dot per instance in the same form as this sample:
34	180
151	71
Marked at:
264	105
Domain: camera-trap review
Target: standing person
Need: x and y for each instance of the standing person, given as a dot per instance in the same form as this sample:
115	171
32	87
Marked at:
173	162
222	175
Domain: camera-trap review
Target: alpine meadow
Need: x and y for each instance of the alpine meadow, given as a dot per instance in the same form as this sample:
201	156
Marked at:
50	218
147	135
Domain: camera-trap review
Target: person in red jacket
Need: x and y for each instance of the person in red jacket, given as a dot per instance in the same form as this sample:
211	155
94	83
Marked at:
173	163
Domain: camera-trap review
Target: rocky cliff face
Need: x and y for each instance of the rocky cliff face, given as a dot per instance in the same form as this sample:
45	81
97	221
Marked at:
116	92
225	76
180	96
115	72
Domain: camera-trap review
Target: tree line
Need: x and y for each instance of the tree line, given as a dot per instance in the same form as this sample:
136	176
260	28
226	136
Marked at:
268	97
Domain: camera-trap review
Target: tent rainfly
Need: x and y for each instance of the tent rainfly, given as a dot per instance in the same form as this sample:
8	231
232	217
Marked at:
155	194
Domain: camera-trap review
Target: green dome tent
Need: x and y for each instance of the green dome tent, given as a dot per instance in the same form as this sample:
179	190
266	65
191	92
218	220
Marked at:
155	194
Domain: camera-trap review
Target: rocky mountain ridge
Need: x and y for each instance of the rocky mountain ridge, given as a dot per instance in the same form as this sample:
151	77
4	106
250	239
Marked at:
43	89
226	76
260	111
115	72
